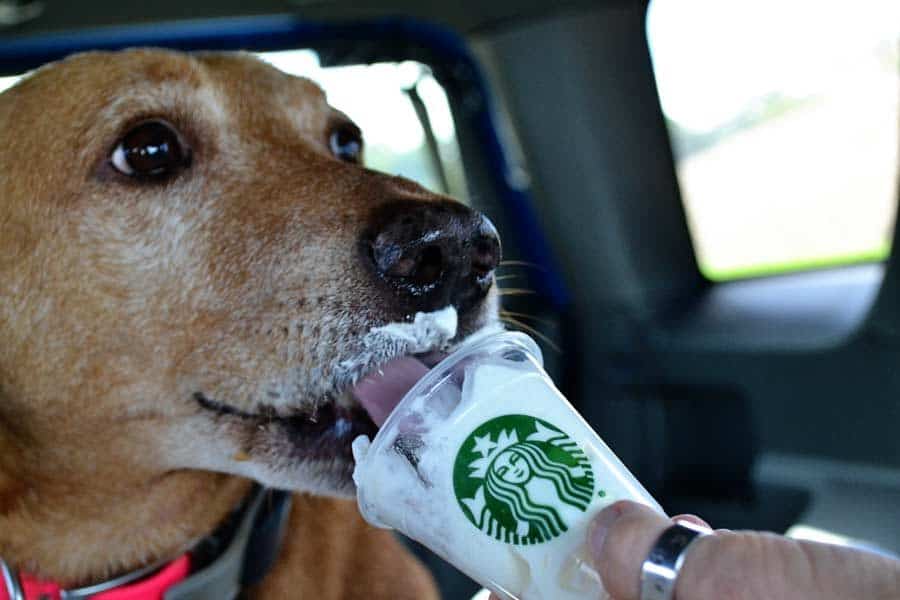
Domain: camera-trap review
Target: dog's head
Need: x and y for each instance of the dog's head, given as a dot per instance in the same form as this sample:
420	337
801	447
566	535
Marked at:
195	269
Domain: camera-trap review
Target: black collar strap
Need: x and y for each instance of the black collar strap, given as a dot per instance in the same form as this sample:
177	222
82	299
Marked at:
250	550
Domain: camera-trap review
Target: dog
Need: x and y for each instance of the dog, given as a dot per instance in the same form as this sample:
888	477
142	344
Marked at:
192	263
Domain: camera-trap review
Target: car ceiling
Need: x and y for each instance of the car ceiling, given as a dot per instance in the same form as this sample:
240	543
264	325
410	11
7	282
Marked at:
466	16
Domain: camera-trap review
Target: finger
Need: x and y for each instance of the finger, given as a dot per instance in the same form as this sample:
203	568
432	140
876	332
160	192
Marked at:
738	566
621	537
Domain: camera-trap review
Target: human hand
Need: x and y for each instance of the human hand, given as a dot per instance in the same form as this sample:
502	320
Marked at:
744	565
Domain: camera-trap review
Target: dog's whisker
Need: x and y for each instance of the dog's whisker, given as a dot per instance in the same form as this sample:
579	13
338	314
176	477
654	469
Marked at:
527	316
515	291
520	263
529	329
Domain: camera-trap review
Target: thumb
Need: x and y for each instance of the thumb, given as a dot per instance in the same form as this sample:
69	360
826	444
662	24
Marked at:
738	566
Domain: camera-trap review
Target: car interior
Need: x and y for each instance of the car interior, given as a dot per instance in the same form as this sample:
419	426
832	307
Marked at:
696	201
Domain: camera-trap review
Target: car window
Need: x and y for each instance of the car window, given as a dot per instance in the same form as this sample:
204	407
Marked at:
784	120
381	98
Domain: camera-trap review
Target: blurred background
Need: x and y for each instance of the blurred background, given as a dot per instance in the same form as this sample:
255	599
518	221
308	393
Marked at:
765	106
697	201
789	110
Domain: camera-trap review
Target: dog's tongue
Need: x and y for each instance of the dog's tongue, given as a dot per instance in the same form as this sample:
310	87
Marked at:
381	391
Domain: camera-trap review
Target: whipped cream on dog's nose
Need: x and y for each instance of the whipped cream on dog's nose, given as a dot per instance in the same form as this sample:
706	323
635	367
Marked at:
484	462
426	332
380	391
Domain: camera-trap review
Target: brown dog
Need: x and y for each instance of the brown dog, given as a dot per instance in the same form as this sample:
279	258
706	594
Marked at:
190	260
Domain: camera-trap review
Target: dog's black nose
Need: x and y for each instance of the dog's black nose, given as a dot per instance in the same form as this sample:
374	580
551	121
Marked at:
433	254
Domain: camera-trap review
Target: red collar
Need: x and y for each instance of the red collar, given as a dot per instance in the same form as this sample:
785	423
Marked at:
237	555
152	587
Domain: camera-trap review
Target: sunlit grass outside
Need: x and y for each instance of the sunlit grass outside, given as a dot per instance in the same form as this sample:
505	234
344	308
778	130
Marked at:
716	273
787	151
814	187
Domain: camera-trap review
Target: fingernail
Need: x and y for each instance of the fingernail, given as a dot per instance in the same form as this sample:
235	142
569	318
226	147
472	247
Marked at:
604	522
691	519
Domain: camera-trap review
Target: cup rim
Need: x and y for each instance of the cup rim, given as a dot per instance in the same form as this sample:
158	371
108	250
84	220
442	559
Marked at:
466	349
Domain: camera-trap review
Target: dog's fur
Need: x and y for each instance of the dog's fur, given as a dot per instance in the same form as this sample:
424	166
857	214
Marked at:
120	301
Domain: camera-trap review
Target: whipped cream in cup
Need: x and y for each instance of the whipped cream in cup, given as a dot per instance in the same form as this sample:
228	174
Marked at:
488	465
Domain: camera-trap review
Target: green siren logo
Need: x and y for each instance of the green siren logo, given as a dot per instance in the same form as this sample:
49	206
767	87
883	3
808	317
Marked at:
521	480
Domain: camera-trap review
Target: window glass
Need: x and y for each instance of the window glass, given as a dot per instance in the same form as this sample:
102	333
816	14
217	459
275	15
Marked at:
784	122
6	82
382	99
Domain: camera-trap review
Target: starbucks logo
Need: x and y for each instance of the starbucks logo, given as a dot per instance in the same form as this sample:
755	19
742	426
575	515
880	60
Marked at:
521	480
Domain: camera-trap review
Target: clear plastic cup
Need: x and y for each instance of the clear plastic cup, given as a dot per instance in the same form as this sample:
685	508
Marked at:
488	465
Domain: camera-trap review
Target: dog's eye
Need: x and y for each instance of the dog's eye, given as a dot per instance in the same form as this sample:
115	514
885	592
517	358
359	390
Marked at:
150	149
346	143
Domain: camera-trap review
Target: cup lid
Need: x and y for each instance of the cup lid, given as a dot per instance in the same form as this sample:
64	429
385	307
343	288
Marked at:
472	345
